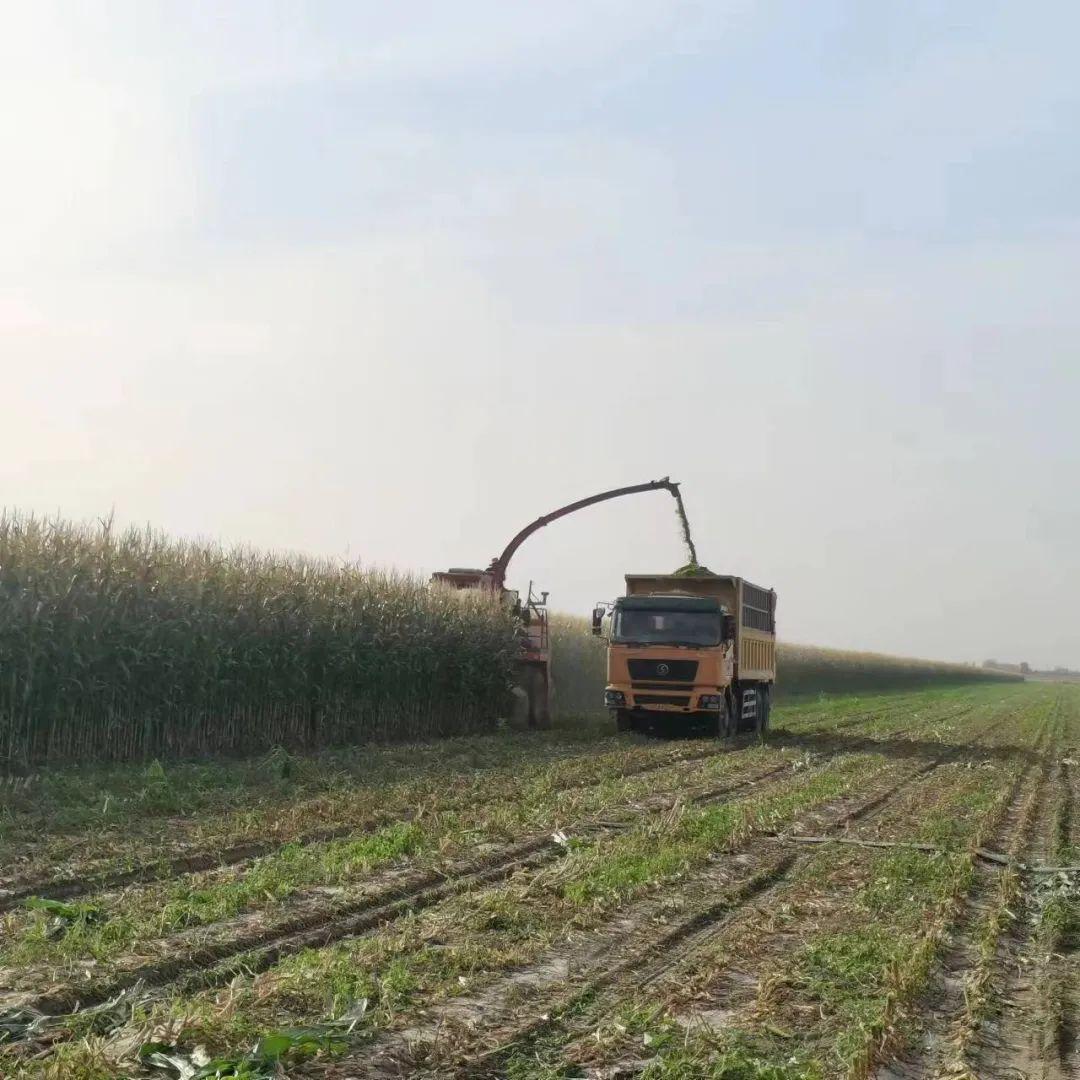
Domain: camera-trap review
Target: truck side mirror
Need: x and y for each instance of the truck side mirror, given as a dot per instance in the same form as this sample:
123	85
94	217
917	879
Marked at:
729	628
598	621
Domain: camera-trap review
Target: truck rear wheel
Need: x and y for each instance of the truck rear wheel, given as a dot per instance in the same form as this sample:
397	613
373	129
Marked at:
764	707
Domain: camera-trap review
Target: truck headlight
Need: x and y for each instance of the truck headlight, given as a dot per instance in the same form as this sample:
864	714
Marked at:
709	701
614	699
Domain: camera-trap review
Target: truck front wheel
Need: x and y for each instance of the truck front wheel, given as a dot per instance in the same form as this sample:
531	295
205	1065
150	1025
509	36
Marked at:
724	725
623	721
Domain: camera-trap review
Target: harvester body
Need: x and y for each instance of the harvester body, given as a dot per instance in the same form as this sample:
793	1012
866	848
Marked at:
534	660
534	656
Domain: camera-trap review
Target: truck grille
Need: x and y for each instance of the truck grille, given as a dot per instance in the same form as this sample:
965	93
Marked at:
661	699
661	686
675	670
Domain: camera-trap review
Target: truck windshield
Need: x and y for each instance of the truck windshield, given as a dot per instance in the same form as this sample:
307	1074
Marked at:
694	628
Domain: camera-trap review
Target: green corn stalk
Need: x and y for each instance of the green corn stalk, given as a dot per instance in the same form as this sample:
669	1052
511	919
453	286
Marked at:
126	644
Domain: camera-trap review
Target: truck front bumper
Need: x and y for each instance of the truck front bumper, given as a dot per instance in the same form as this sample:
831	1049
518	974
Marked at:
708	699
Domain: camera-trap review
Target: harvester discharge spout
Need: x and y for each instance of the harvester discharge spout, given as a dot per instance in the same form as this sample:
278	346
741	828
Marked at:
499	565
535	658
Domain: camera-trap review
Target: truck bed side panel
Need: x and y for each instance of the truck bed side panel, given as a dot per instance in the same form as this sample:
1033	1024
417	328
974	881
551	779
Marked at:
756	656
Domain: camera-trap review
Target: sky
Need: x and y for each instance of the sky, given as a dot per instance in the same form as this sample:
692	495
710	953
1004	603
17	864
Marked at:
388	281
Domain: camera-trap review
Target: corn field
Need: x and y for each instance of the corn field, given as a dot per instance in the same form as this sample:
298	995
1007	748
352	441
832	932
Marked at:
124	644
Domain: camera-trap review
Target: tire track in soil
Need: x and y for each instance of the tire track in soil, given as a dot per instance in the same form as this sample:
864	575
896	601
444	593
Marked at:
905	746
653	972
860	815
18	890
753	872
661	958
315	922
1010	1047
943	1016
1030	1040
1058	973
263	946
199	860
1068	1032
1062	973
256	953
738	987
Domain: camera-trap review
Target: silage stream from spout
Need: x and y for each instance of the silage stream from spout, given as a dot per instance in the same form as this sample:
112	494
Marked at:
684	523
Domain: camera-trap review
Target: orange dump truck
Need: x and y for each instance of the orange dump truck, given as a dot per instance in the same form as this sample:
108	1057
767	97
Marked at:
697	649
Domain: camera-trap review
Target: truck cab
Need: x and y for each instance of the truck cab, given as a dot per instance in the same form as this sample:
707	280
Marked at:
697	650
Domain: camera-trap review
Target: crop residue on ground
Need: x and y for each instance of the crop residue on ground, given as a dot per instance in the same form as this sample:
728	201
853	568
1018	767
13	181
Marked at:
883	884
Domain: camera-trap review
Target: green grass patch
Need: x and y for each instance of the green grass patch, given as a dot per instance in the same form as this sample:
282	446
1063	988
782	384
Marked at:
268	879
877	954
667	1051
155	911
441	952
658	852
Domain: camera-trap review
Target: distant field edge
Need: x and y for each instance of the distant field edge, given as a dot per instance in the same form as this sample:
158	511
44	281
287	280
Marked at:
810	669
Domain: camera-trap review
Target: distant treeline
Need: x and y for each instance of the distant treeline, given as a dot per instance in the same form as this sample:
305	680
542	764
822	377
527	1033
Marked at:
1025	669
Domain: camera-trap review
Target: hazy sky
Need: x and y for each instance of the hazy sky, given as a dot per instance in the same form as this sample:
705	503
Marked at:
390	280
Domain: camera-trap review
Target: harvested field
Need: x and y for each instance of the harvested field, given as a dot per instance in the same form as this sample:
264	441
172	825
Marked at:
875	891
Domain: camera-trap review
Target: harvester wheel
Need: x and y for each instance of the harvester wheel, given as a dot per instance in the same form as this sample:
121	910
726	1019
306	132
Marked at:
535	681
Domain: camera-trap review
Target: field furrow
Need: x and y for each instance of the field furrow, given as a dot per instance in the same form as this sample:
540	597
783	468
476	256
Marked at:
198	859
59	836
200	939
360	812
761	866
383	898
689	965
637	963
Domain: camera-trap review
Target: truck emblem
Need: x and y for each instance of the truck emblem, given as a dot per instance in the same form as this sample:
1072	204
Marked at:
663	669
